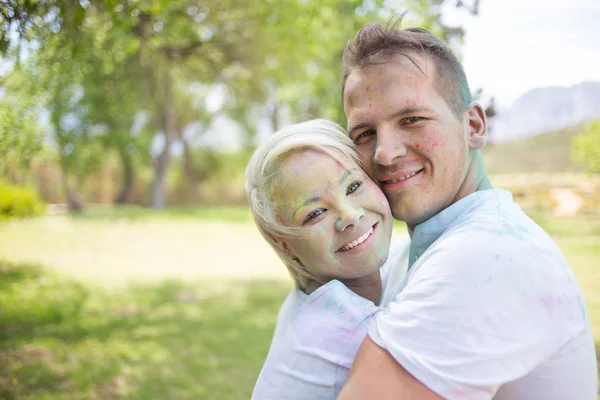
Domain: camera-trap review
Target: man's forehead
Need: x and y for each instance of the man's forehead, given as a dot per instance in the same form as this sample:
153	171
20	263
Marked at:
383	73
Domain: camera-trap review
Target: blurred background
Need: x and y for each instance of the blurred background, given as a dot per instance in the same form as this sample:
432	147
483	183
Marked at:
130	267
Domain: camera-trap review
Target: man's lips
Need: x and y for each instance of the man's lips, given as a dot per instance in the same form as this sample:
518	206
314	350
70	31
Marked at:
359	240
399	176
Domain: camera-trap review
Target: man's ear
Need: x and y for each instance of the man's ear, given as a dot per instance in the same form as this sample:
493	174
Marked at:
477	126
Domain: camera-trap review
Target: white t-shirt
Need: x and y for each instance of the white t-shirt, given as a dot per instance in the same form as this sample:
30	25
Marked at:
318	335
490	309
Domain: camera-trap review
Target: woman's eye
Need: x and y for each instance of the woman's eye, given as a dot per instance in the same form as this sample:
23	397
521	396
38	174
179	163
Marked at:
362	136
313	214
353	187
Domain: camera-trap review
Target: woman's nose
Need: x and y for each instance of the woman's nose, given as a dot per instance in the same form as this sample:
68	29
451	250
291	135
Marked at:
349	216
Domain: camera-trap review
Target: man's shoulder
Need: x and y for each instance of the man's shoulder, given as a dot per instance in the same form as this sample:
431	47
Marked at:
495	239
492	225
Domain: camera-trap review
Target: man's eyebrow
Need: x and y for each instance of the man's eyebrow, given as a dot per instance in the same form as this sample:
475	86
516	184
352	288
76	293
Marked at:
357	127
399	113
408	110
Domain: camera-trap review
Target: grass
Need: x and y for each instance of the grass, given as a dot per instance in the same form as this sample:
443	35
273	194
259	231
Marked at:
174	340
136	213
146	305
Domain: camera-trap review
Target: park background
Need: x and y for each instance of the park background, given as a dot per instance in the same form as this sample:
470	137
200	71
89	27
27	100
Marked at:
130	267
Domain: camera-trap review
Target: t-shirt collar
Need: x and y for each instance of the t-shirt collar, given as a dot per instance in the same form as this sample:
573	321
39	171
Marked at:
429	231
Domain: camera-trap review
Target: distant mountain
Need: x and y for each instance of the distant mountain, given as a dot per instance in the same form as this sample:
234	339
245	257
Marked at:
546	109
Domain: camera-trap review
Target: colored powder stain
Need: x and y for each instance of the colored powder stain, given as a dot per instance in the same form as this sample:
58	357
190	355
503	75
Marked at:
550	302
328	303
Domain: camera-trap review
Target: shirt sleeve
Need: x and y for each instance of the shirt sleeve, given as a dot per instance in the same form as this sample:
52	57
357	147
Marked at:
473	316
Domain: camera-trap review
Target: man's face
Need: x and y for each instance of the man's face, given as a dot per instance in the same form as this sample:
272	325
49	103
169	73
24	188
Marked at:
409	140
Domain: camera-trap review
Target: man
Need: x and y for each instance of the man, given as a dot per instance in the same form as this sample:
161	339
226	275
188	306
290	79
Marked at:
490	308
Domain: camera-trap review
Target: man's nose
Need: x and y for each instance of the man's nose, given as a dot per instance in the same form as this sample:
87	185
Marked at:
349	216
390	145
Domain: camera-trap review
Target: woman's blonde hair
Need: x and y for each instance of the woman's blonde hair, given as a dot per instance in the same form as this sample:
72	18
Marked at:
262	175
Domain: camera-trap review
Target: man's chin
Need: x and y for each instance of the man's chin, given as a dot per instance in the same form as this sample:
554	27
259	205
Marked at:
409	216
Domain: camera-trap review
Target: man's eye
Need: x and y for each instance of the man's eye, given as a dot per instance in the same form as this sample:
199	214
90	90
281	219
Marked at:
353	187
313	214
412	120
363	135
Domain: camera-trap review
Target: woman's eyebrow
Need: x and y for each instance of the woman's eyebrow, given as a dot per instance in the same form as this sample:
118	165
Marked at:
347	174
313	199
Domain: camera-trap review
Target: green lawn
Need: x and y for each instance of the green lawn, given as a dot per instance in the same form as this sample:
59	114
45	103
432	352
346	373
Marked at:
131	304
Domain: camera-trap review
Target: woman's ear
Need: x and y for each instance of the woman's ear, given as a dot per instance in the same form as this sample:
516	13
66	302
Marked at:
279	242
477	125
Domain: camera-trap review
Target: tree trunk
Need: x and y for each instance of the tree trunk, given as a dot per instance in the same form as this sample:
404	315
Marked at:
161	164
74	202
127	164
190	173
169	129
274	116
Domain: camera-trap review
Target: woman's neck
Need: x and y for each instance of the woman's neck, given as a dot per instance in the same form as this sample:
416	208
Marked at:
368	286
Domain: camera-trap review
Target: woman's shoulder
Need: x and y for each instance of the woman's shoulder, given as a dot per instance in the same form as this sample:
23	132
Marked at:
329	310
316	342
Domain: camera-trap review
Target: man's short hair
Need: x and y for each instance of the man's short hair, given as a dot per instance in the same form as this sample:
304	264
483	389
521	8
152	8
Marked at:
374	41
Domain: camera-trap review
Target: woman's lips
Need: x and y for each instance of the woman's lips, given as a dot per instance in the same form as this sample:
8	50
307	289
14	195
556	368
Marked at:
361	242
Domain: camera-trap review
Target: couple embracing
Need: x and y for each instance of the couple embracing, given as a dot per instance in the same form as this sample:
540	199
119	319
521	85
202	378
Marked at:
476	302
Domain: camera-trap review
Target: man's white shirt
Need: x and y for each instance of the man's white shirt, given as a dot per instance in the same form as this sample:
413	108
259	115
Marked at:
318	335
490	309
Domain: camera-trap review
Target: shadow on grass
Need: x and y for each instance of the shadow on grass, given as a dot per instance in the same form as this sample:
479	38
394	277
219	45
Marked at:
60	339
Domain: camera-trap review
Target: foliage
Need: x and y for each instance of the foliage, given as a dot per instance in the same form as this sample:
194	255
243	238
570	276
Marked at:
586	148
20	131
101	64
19	202
540	153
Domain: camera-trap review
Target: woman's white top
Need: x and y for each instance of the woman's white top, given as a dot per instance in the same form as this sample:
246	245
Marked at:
318	335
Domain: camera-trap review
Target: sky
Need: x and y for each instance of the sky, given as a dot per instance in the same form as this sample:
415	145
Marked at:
513	46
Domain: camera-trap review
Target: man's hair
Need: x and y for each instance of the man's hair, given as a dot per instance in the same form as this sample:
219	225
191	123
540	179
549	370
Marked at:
373	42
263	175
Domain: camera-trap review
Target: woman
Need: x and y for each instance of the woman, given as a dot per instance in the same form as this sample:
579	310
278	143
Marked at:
331	226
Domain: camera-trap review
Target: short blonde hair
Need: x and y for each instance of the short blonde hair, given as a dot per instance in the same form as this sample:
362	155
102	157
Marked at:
262	174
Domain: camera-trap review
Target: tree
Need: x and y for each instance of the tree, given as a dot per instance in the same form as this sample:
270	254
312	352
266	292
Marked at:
20	132
102	63
585	148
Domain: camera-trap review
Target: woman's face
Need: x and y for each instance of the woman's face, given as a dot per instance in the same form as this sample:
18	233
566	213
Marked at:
346	217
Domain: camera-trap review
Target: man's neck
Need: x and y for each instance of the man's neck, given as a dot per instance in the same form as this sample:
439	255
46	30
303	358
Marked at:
476	179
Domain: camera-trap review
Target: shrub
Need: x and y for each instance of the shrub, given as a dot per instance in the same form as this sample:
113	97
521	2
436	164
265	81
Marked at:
19	202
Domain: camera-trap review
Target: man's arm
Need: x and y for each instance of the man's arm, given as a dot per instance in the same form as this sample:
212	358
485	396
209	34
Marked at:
376	375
